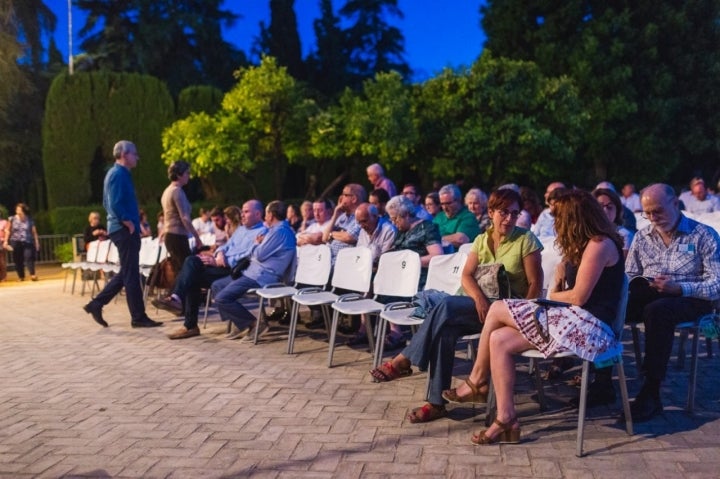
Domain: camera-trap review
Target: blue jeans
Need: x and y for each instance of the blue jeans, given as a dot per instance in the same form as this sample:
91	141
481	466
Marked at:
194	276
226	292
128	246
434	343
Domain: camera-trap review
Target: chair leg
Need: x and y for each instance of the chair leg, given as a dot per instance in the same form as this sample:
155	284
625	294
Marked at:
369	331
692	382
333	333
539	387
260	319
208	297
491	408
681	349
636	346
380	342
625	397
294	312
708	346
582	408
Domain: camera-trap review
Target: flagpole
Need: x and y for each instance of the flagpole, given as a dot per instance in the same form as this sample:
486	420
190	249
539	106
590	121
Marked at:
70	36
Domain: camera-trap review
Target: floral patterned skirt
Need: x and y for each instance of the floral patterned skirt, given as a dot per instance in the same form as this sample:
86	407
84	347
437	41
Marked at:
564	329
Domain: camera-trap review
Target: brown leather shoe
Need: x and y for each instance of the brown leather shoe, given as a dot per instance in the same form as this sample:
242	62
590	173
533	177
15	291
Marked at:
183	333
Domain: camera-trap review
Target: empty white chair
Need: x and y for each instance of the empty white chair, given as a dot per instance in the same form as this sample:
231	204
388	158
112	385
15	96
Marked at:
352	272
397	275
313	269
617	327
444	272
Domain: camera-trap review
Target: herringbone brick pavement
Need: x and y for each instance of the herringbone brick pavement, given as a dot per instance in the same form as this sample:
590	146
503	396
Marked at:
77	400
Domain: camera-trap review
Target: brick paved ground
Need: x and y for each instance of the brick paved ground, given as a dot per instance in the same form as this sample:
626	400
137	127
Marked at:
77	400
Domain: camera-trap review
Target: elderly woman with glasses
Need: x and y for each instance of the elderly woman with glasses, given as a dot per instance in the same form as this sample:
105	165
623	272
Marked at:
415	234
433	345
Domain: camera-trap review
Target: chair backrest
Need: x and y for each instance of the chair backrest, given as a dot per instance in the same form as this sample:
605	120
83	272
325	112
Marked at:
314	265
619	322
551	257
398	274
113	255
445	272
353	269
465	248
148	251
92	252
103	249
207	239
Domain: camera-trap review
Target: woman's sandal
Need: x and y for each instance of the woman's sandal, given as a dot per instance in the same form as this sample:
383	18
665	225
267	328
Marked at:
388	372
428	412
476	396
507	435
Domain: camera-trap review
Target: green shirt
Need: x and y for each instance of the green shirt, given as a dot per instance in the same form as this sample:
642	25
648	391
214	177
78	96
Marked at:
462	222
510	253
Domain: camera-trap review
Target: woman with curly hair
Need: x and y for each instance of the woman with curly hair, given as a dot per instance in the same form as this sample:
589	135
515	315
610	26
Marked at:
589	279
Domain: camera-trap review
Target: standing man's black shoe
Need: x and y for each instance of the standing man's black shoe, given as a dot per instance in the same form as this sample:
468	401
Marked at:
146	323
96	312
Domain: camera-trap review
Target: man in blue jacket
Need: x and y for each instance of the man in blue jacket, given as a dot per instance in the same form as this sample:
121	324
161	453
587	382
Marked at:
123	217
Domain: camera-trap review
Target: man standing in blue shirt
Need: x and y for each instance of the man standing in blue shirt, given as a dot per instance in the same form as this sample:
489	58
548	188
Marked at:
123	217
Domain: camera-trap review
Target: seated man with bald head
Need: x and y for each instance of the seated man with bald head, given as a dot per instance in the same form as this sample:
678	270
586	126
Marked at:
376	232
682	258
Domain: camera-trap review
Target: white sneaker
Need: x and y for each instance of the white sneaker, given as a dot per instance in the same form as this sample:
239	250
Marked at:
250	337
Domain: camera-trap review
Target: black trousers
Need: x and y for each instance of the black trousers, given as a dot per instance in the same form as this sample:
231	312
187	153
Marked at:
661	313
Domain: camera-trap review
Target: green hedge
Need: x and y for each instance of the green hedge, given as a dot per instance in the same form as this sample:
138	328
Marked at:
85	115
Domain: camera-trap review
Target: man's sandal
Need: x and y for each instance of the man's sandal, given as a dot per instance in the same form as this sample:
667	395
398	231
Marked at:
388	372
428	412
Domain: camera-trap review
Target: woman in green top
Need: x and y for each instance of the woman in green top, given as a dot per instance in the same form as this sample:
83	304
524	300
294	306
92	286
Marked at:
433	345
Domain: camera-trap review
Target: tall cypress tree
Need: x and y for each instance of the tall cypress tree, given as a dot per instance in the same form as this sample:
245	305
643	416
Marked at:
327	66
281	39
374	45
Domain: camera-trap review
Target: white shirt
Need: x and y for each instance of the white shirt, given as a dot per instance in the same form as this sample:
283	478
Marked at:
632	202
203	227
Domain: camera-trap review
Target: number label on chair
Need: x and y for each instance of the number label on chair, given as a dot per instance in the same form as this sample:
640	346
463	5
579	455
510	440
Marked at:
403	265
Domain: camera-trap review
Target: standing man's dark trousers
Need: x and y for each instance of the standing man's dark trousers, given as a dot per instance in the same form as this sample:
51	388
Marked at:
128	246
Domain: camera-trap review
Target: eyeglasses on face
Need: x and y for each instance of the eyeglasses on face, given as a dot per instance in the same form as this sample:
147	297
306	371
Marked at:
505	212
447	203
652	213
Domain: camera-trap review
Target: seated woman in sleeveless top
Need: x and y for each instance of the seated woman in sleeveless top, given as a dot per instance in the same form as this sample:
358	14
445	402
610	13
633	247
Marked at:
589	279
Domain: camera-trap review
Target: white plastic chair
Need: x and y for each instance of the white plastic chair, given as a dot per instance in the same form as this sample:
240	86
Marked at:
353	271
75	266
96	265
397	275
444	273
687	329
313	268
534	354
465	248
